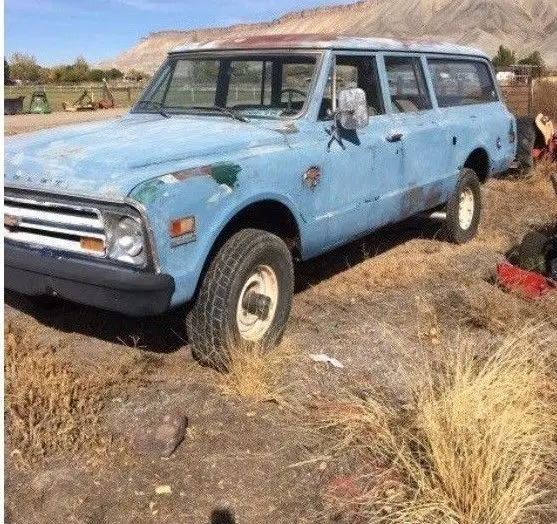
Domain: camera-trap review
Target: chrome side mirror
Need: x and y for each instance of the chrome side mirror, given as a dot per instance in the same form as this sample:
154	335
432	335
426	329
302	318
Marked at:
352	112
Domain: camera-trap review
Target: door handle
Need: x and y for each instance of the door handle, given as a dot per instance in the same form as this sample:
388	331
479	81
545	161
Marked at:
397	137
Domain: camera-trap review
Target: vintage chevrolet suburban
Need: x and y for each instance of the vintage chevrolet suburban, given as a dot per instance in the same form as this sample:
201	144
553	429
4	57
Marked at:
240	156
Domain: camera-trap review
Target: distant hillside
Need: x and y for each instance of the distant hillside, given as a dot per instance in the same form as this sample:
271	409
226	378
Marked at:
522	25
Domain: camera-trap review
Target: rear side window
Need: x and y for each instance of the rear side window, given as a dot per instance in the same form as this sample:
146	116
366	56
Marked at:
461	82
407	87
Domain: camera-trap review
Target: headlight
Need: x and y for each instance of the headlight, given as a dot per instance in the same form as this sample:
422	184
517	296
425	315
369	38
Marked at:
126	241
129	237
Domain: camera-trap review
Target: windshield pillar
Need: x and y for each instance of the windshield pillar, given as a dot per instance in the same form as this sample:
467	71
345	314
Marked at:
223	82
276	82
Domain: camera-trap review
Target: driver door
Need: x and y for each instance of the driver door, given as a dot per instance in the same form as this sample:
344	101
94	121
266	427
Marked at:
362	170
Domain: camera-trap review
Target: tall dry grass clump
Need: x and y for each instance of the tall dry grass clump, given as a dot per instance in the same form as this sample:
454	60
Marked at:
473	446
545	99
47	407
255	374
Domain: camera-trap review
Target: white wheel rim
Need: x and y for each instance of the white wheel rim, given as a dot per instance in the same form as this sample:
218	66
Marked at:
263	281
466	208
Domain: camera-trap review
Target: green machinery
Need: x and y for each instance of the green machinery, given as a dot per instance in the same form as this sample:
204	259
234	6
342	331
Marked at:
39	103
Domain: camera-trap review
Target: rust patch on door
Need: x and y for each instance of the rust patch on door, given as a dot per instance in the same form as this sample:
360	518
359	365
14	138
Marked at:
312	177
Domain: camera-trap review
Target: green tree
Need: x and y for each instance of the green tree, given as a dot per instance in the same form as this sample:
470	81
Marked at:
57	74
96	75
504	57
24	67
134	74
114	74
6	72
80	70
46	75
534	59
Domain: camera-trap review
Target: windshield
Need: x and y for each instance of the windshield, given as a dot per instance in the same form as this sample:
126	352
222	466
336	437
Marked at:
270	86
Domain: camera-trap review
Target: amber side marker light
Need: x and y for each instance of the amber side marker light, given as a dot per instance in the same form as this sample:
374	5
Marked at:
92	244
181	226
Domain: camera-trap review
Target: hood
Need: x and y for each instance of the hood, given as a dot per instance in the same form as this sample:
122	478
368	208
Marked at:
109	159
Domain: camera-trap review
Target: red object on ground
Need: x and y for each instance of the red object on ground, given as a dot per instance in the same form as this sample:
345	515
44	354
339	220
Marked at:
526	283
547	153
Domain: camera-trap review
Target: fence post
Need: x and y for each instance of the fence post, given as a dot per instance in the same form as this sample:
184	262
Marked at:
530	95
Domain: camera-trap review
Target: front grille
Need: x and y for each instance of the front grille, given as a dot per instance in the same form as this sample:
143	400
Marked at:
57	226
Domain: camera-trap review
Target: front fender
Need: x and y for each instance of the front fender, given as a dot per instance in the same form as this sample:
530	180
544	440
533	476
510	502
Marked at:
214	205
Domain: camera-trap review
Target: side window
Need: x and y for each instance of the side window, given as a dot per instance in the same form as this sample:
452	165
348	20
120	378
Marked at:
461	82
193	83
407	86
355	71
249	83
296	81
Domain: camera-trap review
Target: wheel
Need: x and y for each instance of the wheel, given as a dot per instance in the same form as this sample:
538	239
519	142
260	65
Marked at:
532	252
464	208
526	137
245	297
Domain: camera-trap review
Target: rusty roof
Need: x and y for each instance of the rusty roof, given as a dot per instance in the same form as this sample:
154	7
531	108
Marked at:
326	41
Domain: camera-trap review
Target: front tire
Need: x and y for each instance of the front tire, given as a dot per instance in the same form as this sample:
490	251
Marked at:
245	297
464	208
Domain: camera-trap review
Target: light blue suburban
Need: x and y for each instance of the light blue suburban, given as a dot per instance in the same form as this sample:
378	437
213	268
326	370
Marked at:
241	155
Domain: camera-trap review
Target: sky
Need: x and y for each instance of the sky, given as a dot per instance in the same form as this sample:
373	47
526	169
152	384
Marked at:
57	31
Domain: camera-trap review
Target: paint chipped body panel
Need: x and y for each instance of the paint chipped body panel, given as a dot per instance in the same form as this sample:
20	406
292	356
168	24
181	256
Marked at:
212	167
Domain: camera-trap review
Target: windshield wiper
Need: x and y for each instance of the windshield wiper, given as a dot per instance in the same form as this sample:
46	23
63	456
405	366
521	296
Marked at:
225	111
157	105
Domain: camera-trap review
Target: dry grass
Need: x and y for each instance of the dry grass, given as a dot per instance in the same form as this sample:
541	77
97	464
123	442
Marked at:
47	406
545	99
255	374
473	446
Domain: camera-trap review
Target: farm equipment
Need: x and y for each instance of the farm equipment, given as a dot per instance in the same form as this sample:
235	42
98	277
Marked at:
39	103
13	106
533	272
86	102
107	100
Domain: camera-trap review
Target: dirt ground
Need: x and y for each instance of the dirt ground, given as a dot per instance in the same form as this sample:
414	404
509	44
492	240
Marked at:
14	124
377	305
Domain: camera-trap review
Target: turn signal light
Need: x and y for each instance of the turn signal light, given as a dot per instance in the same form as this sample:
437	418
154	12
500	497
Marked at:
182	226
92	244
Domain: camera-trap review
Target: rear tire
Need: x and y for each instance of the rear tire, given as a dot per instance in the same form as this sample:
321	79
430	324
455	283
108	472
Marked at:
464	208
252	263
526	137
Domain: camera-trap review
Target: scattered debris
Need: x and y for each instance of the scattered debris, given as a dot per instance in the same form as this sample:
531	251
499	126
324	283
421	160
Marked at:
534	272
537	142
526	283
326	359
545	147
163	489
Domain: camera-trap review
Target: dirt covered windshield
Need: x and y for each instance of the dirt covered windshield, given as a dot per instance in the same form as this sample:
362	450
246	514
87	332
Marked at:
242	86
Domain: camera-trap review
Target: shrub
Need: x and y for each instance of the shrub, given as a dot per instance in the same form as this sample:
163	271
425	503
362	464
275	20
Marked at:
473	446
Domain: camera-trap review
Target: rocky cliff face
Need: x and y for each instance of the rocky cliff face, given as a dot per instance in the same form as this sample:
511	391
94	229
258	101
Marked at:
522	25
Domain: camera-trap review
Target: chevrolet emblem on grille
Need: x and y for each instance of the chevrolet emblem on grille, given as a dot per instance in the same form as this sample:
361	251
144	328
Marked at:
11	221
